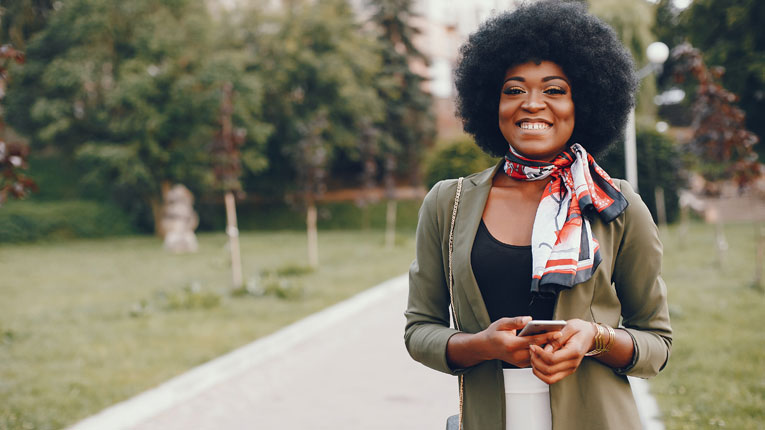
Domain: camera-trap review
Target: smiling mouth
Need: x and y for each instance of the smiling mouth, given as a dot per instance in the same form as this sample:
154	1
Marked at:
533	125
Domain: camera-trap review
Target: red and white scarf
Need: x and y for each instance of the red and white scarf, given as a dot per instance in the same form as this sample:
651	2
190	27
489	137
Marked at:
564	251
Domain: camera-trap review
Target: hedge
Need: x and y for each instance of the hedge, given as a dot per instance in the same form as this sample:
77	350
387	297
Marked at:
27	221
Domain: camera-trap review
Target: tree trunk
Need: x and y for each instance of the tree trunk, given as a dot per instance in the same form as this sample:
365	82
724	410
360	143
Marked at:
233	240
661	211
313	236
759	257
390	224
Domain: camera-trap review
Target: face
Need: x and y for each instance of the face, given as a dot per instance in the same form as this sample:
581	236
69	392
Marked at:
536	112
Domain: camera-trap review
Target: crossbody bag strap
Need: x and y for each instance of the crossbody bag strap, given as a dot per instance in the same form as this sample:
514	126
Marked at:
451	279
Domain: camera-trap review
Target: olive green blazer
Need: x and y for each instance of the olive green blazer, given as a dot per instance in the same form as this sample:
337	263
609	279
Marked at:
626	290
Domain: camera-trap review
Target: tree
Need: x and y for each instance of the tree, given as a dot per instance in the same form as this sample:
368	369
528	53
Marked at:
131	89
633	22
227	166
321	67
720	140
660	165
13	155
20	19
408	125
728	34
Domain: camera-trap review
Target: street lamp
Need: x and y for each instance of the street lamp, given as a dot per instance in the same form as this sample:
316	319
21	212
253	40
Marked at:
657	53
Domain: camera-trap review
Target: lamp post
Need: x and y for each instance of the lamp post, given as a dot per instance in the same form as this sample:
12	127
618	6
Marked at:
657	53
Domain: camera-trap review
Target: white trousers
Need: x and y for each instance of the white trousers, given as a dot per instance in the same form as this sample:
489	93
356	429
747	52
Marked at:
527	400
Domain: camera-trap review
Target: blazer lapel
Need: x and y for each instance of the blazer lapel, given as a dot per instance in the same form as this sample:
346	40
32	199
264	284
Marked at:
475	192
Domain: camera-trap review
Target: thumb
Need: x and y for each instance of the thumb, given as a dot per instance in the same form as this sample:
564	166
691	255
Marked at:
514	323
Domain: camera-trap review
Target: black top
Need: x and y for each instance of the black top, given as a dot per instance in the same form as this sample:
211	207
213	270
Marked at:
503	273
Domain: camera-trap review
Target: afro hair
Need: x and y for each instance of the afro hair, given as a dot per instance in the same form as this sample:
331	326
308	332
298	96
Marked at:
600	69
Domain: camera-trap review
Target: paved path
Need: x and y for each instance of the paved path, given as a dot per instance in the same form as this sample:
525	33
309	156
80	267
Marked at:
344	368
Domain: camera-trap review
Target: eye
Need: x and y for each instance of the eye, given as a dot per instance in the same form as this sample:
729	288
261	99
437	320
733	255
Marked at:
514	90
555	90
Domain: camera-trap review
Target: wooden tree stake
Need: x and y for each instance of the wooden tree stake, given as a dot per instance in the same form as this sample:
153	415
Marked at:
390	230
233	240
313	236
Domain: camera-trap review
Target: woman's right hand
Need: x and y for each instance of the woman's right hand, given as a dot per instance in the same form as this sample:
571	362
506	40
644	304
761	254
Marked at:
497	342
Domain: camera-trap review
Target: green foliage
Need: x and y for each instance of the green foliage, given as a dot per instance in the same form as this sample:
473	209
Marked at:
407	127
320	65
729	34
459	157
132	90
660	164
19	19
58	178
33	221
633	22
332	216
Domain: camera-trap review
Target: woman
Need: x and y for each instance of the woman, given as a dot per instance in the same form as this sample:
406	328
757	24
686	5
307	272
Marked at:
545	234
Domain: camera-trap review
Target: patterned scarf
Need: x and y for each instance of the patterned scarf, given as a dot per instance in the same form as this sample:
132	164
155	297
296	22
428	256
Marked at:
564	251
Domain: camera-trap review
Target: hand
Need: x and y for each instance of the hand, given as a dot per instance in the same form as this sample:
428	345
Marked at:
503	343
561	357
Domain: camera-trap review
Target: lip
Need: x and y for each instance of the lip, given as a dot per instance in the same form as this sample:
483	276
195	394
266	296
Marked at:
522	120
534	131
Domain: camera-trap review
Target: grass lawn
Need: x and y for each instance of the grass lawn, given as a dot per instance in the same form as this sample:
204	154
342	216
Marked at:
716	375
87	323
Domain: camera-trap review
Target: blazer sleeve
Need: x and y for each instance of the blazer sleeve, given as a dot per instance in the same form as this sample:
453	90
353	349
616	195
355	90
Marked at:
427	315
641	289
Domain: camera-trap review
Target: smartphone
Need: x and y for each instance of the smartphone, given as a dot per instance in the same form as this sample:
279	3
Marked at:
542	326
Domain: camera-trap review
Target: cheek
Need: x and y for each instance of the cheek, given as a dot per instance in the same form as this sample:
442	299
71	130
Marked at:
567	113
505	114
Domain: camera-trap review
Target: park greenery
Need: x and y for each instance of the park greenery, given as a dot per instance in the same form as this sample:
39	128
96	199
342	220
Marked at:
116	100
128	95
87	323
107	299
729	34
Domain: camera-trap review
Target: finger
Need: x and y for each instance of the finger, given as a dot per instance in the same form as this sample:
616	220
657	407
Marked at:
568	352
514	323
563	369
543	355
566	334
551	379
546	379
550	375
544	338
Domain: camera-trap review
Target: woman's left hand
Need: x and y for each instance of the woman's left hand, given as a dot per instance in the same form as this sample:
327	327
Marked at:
562	357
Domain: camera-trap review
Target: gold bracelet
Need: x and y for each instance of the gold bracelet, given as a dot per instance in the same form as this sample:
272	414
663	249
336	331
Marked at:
602	345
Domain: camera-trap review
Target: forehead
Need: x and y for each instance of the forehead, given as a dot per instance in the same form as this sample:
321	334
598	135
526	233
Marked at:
533	71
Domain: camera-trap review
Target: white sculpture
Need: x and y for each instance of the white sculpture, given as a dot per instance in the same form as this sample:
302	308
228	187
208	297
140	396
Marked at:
179	220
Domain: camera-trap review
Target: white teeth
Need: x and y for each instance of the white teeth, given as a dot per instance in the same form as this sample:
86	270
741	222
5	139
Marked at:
534	125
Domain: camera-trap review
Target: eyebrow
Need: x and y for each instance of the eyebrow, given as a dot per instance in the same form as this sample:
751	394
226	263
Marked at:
545	79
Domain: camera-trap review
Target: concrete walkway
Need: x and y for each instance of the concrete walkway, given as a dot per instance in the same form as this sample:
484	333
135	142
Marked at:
343	368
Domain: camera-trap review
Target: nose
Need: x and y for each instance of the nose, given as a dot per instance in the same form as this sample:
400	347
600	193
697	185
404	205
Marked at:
533	102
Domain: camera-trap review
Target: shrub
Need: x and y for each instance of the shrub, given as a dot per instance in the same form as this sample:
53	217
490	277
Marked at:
332	216
660	163
455	158
30	221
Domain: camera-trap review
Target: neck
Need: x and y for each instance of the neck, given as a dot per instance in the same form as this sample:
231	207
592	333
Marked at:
533	187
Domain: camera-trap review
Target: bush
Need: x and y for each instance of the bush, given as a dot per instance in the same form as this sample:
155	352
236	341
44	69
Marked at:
659	164
455	158
332	216
29	221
